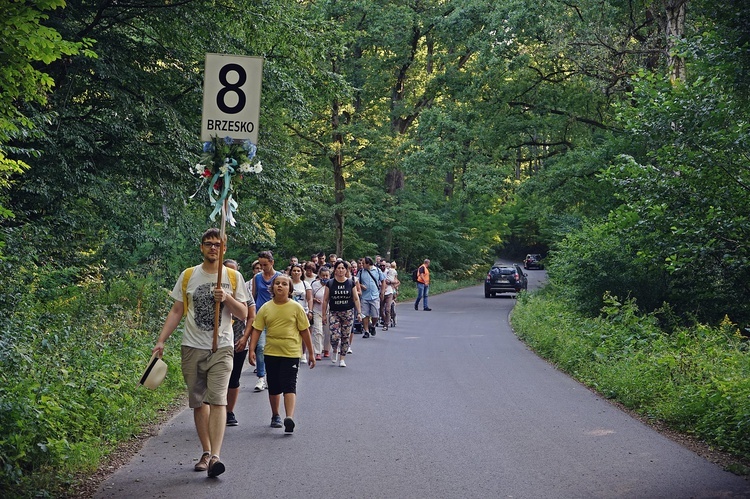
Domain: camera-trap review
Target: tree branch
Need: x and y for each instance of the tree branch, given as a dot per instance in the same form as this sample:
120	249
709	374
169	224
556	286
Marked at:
558	112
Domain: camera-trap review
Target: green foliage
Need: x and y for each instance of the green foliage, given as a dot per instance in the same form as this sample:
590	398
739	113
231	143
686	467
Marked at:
24	41
431	129
71	358
695	379
655	200
595	261
695	136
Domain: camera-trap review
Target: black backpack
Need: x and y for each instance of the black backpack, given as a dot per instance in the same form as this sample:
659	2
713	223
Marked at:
415	274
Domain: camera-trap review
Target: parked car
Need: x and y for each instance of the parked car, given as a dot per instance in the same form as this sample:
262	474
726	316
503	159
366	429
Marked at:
533	261
505	279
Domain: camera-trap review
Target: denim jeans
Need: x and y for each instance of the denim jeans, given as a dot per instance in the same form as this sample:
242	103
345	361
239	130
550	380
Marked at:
260	360
422	290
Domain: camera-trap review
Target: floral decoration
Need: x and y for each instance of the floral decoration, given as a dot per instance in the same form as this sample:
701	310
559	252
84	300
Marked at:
222	159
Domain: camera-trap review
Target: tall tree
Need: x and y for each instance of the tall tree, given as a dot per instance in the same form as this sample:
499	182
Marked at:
125	130
26	47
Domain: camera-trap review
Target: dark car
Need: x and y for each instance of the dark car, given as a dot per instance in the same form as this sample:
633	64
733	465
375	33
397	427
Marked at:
505	279
533	261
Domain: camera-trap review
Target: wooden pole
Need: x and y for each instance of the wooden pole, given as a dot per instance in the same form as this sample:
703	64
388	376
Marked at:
217	305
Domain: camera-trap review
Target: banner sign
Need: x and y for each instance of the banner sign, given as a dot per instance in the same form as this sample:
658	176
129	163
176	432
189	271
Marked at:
231	97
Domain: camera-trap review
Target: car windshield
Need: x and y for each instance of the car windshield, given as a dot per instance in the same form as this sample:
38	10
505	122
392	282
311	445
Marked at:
503	270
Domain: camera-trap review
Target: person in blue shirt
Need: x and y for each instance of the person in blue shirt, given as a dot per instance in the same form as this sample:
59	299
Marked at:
262	294
372	282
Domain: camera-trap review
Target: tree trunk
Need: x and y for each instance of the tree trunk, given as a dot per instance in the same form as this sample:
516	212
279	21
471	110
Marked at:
339	184
518	163
450	183
675	31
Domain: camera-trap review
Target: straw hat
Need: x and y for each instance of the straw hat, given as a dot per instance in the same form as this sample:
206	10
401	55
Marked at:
155	373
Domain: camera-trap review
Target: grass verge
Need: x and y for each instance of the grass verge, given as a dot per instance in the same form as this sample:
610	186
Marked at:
695	380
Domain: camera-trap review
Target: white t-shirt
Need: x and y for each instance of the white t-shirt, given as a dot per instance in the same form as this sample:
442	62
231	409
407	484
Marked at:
199	323
390	275
299	293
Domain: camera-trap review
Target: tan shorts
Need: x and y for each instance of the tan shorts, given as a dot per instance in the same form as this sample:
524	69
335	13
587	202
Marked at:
207	374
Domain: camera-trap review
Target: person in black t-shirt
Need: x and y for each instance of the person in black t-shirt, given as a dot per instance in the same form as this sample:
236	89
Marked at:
341	299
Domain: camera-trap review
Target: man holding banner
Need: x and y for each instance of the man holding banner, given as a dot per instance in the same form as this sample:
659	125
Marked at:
207	295
207	361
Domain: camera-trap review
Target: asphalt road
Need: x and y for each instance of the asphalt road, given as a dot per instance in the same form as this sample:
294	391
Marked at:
449	404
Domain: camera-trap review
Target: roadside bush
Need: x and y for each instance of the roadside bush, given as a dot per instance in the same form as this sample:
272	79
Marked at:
70	360
594	261
696	379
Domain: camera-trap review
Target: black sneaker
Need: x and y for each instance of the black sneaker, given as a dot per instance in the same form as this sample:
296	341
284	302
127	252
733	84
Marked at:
427	309
416	306
276	421
231	420
366	335
372	330
288	425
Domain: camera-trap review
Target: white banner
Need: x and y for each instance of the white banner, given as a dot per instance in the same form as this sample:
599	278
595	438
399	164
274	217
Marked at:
231	97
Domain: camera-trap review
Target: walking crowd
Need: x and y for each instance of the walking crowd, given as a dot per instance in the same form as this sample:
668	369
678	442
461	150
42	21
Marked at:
276	320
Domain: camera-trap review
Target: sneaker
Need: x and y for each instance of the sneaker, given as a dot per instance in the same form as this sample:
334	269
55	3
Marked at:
427	309
349	351
276	421
231	420
325	353
202	464
335	357
342	363
366	335
317	357
215	467
372	330
261	384
288	425
385	328
416	306
303	359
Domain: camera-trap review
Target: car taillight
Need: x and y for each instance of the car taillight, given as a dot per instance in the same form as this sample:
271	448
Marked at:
516	276
489	276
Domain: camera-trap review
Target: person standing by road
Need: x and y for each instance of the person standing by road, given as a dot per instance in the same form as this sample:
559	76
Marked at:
261	295
341	297
241	328
206	372
423	285
287	329
372	283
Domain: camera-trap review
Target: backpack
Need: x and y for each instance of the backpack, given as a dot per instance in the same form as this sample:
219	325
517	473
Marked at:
188	272
415	275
